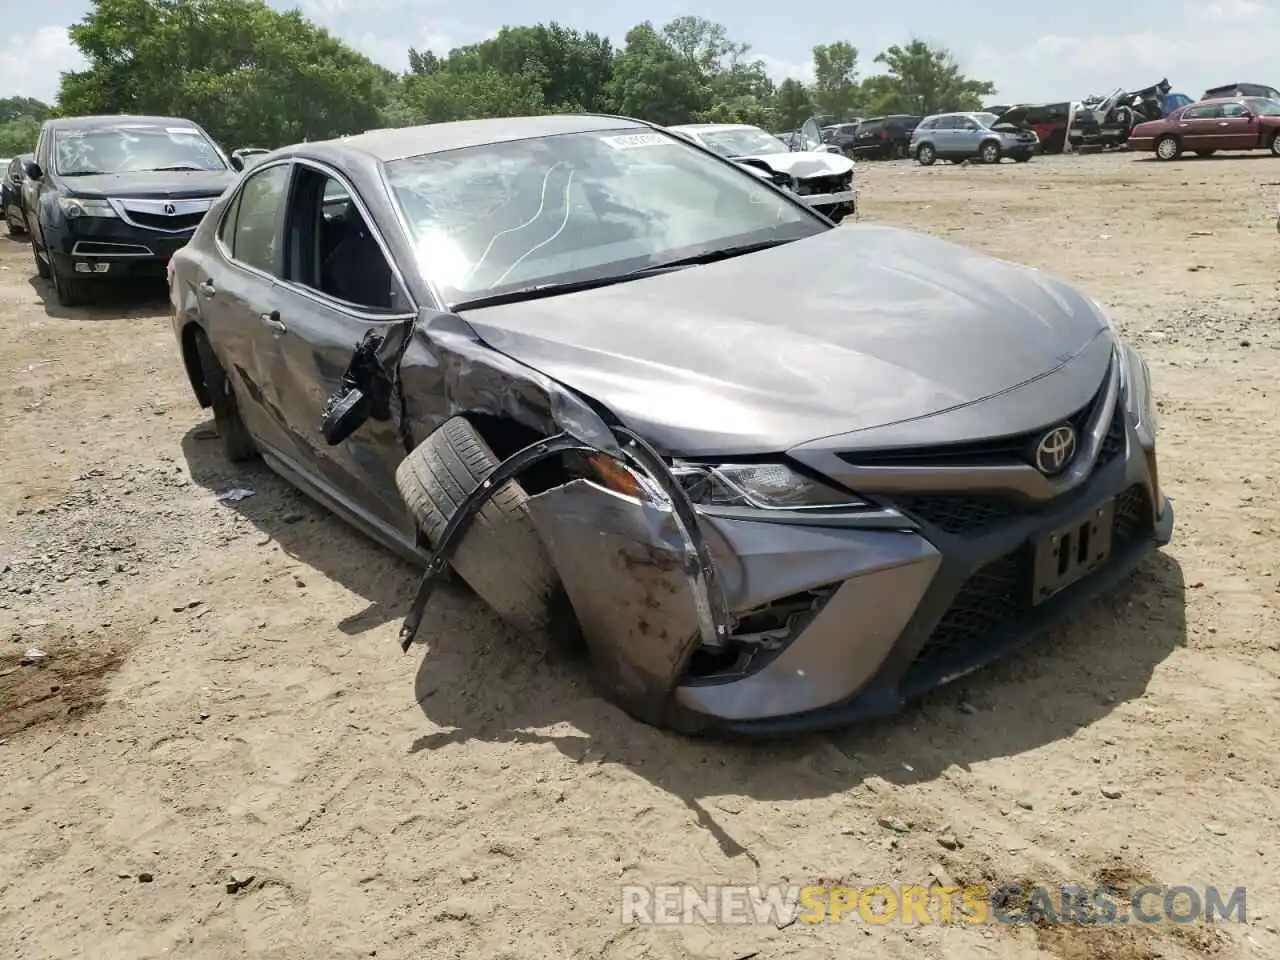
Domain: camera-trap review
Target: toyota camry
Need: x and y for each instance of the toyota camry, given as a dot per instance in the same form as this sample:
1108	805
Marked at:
775	474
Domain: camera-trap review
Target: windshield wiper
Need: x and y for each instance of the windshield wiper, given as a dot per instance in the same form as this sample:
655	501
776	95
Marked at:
538	290
176	166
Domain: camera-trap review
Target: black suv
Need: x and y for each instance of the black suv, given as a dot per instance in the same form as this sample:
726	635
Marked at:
884	138
114	196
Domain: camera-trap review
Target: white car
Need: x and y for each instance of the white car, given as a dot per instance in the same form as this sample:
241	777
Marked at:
820	175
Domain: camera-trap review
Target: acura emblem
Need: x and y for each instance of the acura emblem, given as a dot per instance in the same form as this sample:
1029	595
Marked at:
170	209
1055	450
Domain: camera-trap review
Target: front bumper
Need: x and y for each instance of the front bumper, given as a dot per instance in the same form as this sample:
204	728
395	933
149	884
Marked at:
844	202
879	614
107	248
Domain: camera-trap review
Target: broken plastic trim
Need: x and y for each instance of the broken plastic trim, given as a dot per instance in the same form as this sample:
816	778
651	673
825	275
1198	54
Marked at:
708	594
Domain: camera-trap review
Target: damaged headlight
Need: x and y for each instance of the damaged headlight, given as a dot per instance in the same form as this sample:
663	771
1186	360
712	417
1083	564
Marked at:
760	486
755	486
74	207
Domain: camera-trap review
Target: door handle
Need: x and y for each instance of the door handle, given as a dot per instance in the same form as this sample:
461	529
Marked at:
1222	123
207	288
272	320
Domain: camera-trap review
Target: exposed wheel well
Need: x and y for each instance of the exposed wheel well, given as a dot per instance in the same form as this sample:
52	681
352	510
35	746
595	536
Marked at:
505	437
191	360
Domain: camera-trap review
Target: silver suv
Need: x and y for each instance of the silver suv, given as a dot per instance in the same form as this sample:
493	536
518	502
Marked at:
961	136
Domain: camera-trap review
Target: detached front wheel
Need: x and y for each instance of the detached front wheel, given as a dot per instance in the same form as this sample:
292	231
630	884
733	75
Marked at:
501	556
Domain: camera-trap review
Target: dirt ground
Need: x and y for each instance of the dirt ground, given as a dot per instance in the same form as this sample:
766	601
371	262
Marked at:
223	701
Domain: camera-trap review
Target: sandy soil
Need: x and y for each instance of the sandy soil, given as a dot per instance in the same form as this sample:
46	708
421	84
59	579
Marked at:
223	700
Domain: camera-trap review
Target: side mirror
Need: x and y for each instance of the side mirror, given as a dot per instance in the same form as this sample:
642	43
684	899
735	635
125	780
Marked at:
32	170
1249	117
237	163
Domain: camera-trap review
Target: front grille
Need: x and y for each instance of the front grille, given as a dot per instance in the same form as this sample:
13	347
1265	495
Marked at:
997	595
968	513
179	221
835	183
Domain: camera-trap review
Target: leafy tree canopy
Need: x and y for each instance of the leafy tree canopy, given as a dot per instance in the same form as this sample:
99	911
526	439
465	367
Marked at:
253	76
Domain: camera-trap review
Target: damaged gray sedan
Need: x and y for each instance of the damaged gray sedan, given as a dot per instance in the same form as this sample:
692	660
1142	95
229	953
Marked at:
776	474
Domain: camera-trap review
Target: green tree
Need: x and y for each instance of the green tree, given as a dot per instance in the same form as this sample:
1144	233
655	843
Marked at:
924	79
653	81
792	104
246	73
18	136
23	108
835	79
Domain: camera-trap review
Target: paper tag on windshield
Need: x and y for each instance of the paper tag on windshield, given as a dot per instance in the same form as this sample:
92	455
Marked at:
632	140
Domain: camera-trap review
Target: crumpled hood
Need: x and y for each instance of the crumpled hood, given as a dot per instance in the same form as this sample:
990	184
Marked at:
802	164
159	185
856	327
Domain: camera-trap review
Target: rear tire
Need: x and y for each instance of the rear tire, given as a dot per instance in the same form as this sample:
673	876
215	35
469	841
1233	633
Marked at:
501	556
237	443
926	155
1275	145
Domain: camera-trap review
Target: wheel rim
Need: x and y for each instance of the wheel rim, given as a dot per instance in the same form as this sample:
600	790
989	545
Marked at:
926	154
1275	145
989	153
1166	149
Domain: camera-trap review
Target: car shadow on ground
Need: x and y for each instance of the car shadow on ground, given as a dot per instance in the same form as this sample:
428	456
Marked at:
112	299
485	684
1215	158
307	531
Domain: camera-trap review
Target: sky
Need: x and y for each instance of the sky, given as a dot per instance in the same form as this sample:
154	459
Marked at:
1033	51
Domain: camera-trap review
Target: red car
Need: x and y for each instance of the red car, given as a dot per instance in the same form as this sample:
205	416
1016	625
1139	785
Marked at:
1232	123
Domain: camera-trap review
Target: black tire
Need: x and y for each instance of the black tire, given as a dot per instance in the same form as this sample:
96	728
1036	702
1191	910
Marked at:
1168	148
1022	158
900	150
989	152
926	155
237	443
1275	145
42	268
15	229
71	291
501	556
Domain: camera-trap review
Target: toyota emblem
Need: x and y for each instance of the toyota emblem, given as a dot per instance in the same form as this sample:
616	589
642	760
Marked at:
170	209
1055	450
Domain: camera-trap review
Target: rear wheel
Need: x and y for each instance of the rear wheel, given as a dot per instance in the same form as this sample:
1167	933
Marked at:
237	443
501	556
925	155
900	150
1275	145
1168	148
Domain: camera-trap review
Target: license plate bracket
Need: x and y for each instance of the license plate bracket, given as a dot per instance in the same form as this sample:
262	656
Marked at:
1073	551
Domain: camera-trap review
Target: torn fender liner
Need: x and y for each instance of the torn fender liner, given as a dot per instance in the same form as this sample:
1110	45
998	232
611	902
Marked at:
691	559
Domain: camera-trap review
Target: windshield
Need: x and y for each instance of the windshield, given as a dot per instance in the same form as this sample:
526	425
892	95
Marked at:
133	149
1265	108
988	120
742	143
506	216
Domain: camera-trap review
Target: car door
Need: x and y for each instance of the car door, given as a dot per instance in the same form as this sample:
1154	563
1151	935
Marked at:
947	137
33	190
967	135
1198	127
238	292
338	285
1238	128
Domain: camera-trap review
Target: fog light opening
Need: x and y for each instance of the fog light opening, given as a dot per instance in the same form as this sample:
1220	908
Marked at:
92	267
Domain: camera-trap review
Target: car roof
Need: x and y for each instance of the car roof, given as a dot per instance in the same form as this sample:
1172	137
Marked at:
108	121
398	143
